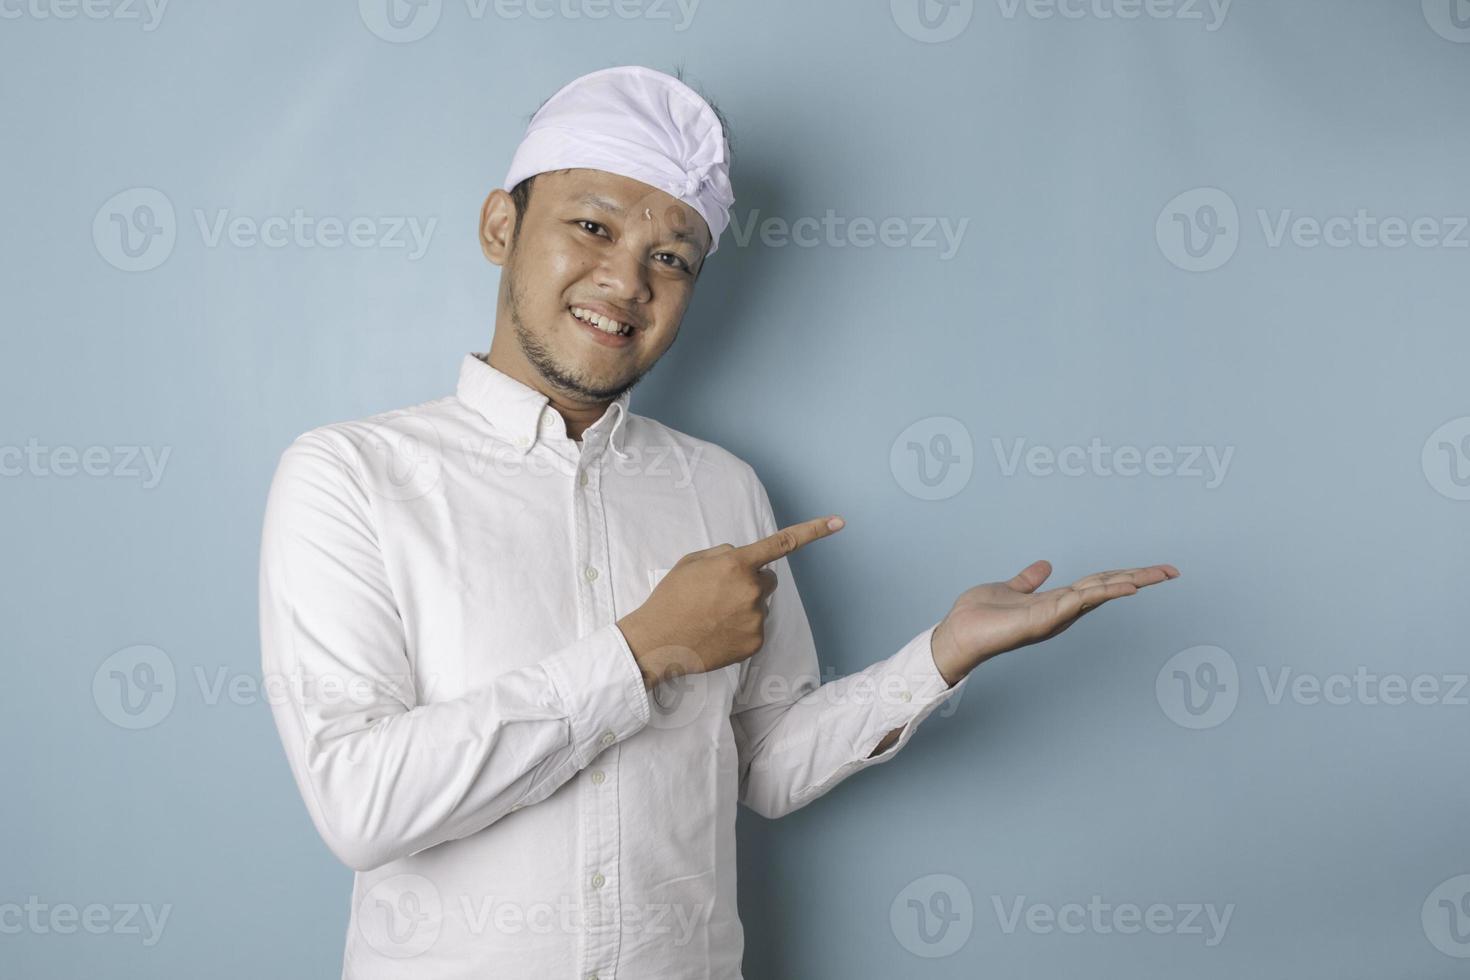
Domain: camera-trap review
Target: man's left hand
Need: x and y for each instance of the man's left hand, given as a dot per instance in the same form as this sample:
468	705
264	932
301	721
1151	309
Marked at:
999	616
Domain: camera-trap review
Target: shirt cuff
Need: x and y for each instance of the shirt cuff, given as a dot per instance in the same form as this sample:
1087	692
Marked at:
601	690
909	689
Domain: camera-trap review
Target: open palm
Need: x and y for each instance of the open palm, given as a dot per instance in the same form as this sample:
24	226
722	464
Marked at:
998	616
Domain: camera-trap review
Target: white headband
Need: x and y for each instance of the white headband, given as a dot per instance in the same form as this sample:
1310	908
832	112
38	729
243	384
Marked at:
638	123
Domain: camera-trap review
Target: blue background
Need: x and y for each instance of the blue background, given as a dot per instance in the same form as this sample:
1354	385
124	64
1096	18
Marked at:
1328	547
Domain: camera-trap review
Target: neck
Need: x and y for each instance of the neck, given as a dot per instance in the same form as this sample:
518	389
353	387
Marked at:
507	357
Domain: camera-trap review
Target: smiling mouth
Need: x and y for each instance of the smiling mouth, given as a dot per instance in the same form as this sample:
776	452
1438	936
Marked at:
598	322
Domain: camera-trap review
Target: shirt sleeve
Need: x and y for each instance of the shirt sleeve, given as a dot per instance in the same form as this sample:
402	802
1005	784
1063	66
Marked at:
797	738
382	775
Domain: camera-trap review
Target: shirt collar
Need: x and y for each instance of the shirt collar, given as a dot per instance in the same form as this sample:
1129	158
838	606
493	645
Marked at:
516	410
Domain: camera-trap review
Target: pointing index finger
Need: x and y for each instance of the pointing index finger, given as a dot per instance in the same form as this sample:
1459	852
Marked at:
787	540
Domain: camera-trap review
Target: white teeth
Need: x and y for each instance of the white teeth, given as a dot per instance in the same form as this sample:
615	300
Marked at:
601	322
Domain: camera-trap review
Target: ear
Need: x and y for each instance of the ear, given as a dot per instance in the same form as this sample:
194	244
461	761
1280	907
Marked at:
497	221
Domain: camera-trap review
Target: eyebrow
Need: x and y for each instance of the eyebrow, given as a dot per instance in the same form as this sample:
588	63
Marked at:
613	208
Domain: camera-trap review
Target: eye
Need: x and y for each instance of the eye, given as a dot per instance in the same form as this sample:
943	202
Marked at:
679	259
595	228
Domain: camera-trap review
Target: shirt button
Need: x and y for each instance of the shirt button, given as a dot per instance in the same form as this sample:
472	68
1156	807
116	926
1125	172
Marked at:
598	775
583	478
598	880
522	441
906	696
591	573
608	738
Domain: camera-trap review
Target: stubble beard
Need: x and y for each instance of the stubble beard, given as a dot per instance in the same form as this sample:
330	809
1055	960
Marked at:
562	378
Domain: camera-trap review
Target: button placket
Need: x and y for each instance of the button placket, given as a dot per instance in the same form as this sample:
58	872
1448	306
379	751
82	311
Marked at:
598	802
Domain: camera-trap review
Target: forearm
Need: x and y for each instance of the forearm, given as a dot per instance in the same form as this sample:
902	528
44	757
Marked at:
886	744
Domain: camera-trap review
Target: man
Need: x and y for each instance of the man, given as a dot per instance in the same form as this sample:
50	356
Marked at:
538	646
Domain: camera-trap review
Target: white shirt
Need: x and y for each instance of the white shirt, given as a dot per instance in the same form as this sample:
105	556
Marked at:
438	593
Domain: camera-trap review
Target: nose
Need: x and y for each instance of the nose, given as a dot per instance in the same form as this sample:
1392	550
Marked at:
623	274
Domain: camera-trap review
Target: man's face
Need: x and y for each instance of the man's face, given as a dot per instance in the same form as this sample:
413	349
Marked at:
601	243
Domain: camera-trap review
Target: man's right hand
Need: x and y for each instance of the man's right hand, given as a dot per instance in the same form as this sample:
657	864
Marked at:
709	611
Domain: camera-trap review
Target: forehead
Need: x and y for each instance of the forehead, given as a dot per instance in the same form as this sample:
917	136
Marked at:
623	197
